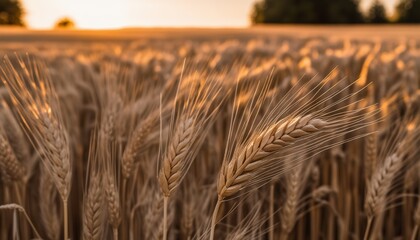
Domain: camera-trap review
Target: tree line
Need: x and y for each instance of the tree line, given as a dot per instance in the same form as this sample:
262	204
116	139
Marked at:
332	12
285	11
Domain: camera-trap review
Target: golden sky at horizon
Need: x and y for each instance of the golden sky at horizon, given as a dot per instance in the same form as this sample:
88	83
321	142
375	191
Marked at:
106	14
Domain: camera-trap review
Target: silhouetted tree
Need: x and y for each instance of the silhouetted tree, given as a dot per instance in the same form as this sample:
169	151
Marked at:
257	14
306	11
408	11
377	13
65	22
11	13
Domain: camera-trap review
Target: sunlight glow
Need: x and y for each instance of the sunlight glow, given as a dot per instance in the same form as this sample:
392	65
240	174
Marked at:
101	14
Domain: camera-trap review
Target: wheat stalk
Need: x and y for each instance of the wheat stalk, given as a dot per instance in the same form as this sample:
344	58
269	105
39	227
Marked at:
14	206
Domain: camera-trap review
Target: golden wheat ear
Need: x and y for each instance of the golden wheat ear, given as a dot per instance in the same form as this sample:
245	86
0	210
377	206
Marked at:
312	117
35	100
10	167
397	155
196	104
93	200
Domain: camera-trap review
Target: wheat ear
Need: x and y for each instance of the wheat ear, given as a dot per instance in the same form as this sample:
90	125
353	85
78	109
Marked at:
37	103
93	210
174	162
253	156
378	188
10	167
380	185
370	159
113	202
14	134
136	142
289	211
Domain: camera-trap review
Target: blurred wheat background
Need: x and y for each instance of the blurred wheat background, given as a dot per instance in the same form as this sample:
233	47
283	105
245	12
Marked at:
240	136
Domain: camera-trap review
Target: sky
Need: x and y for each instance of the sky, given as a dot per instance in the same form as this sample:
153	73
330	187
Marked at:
112	14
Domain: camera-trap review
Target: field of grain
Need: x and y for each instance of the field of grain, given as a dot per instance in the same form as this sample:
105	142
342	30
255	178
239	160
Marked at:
263	133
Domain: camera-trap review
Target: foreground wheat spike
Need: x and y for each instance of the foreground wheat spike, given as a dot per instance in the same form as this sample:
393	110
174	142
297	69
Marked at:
174	161
93	214
307	120
10	167
194	111
252	156
402	152
37	104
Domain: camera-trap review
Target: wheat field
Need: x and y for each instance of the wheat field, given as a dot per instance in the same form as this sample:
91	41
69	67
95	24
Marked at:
265	133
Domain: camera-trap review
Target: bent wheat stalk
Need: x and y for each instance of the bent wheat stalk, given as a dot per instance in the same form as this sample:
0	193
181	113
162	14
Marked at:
13	206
